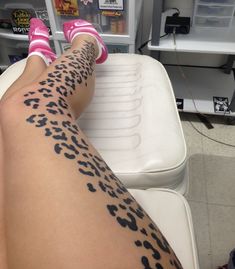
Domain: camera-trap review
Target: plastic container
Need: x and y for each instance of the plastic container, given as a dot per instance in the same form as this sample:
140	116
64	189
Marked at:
12	51
215	14
218	11
212	22
215	2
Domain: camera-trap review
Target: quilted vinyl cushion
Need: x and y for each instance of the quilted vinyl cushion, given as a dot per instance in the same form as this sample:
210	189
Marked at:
171	212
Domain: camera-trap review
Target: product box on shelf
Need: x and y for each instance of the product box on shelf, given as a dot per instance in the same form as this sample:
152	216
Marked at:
19	15
64	7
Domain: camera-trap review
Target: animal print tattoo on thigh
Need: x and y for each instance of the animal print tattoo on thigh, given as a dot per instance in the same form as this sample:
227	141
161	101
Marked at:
48	102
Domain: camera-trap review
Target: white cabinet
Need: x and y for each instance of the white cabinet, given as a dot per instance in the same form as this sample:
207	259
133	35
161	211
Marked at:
118	26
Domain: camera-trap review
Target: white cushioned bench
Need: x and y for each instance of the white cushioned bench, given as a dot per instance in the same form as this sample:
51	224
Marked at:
171	212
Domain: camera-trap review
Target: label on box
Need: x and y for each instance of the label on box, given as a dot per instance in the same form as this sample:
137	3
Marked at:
111	4
66	7
85	2
221	104
109	13
20	20
43	15
180	103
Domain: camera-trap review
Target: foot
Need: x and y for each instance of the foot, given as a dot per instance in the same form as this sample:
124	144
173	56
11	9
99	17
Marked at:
39	41
80	27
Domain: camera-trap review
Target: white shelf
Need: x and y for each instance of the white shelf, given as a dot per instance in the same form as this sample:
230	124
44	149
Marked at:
109	38
8	34
221	41
212	83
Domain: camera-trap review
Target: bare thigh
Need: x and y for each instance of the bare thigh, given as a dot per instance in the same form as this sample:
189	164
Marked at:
2	230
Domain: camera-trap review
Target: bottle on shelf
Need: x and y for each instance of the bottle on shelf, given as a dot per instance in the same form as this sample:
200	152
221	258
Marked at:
121	25
105	23
88	13
114	25
96	16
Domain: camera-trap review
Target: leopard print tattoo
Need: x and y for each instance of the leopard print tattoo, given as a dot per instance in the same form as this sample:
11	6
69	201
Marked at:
50	101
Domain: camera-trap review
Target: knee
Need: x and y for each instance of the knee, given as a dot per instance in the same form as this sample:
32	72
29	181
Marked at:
10	109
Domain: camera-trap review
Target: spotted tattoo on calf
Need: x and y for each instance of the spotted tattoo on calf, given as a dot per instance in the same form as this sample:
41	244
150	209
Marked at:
54	117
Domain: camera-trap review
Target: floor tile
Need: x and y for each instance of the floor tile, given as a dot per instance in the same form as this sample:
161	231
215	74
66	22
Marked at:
197	182
193	139
220	179
201	228
222	233
212	187
221	132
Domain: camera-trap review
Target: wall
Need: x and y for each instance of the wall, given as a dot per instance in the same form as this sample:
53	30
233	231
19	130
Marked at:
186	9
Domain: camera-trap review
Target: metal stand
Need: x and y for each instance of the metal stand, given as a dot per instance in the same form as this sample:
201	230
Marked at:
229	64
156	21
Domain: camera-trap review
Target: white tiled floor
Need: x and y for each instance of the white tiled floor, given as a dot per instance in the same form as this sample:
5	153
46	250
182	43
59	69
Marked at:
212	188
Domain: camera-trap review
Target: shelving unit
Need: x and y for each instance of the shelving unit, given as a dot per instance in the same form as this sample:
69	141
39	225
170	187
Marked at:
18	42
126	39
199	41
197	86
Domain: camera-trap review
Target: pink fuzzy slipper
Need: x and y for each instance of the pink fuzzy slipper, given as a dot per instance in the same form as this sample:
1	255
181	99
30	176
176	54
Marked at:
39	41
77	27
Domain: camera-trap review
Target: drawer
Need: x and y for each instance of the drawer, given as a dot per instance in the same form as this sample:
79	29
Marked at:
212	22
118	48
112	48
217	2
12	51
218	11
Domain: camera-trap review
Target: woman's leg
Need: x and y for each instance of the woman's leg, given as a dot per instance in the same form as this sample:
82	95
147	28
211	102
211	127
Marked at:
34	67
64	206
2	228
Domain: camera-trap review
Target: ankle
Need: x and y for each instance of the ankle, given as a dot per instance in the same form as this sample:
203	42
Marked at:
76	43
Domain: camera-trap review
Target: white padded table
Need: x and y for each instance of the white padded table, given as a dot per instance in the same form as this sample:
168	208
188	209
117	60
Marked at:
171	212
132	121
